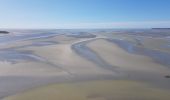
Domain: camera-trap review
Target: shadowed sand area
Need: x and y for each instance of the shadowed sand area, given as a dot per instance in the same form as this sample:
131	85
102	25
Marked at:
88	65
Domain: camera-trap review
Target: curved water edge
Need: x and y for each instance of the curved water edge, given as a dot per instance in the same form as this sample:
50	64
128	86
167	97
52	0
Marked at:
81	49
158	56
24	37
15	56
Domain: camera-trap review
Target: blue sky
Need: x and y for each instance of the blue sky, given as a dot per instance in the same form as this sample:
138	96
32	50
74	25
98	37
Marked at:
84	13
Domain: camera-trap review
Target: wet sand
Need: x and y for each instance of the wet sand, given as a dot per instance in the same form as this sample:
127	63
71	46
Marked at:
29	62
95	90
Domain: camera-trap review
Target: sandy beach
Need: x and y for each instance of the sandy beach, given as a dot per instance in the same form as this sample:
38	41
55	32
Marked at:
52	65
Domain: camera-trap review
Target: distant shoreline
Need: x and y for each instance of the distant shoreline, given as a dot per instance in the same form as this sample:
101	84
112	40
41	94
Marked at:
161	28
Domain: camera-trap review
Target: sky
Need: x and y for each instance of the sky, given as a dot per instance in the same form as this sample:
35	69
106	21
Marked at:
84	13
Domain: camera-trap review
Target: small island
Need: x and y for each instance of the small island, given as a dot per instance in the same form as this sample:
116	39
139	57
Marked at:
4	32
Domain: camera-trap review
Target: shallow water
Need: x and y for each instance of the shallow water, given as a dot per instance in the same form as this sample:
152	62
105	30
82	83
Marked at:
22	37
14	56
89	54
158	56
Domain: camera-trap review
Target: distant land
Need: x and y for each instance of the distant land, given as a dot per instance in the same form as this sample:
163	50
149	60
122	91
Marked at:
161	28
4	32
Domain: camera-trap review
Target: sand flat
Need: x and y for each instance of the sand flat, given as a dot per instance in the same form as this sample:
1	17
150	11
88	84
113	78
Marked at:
64	57
81	67
95	90
29	69
118	57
